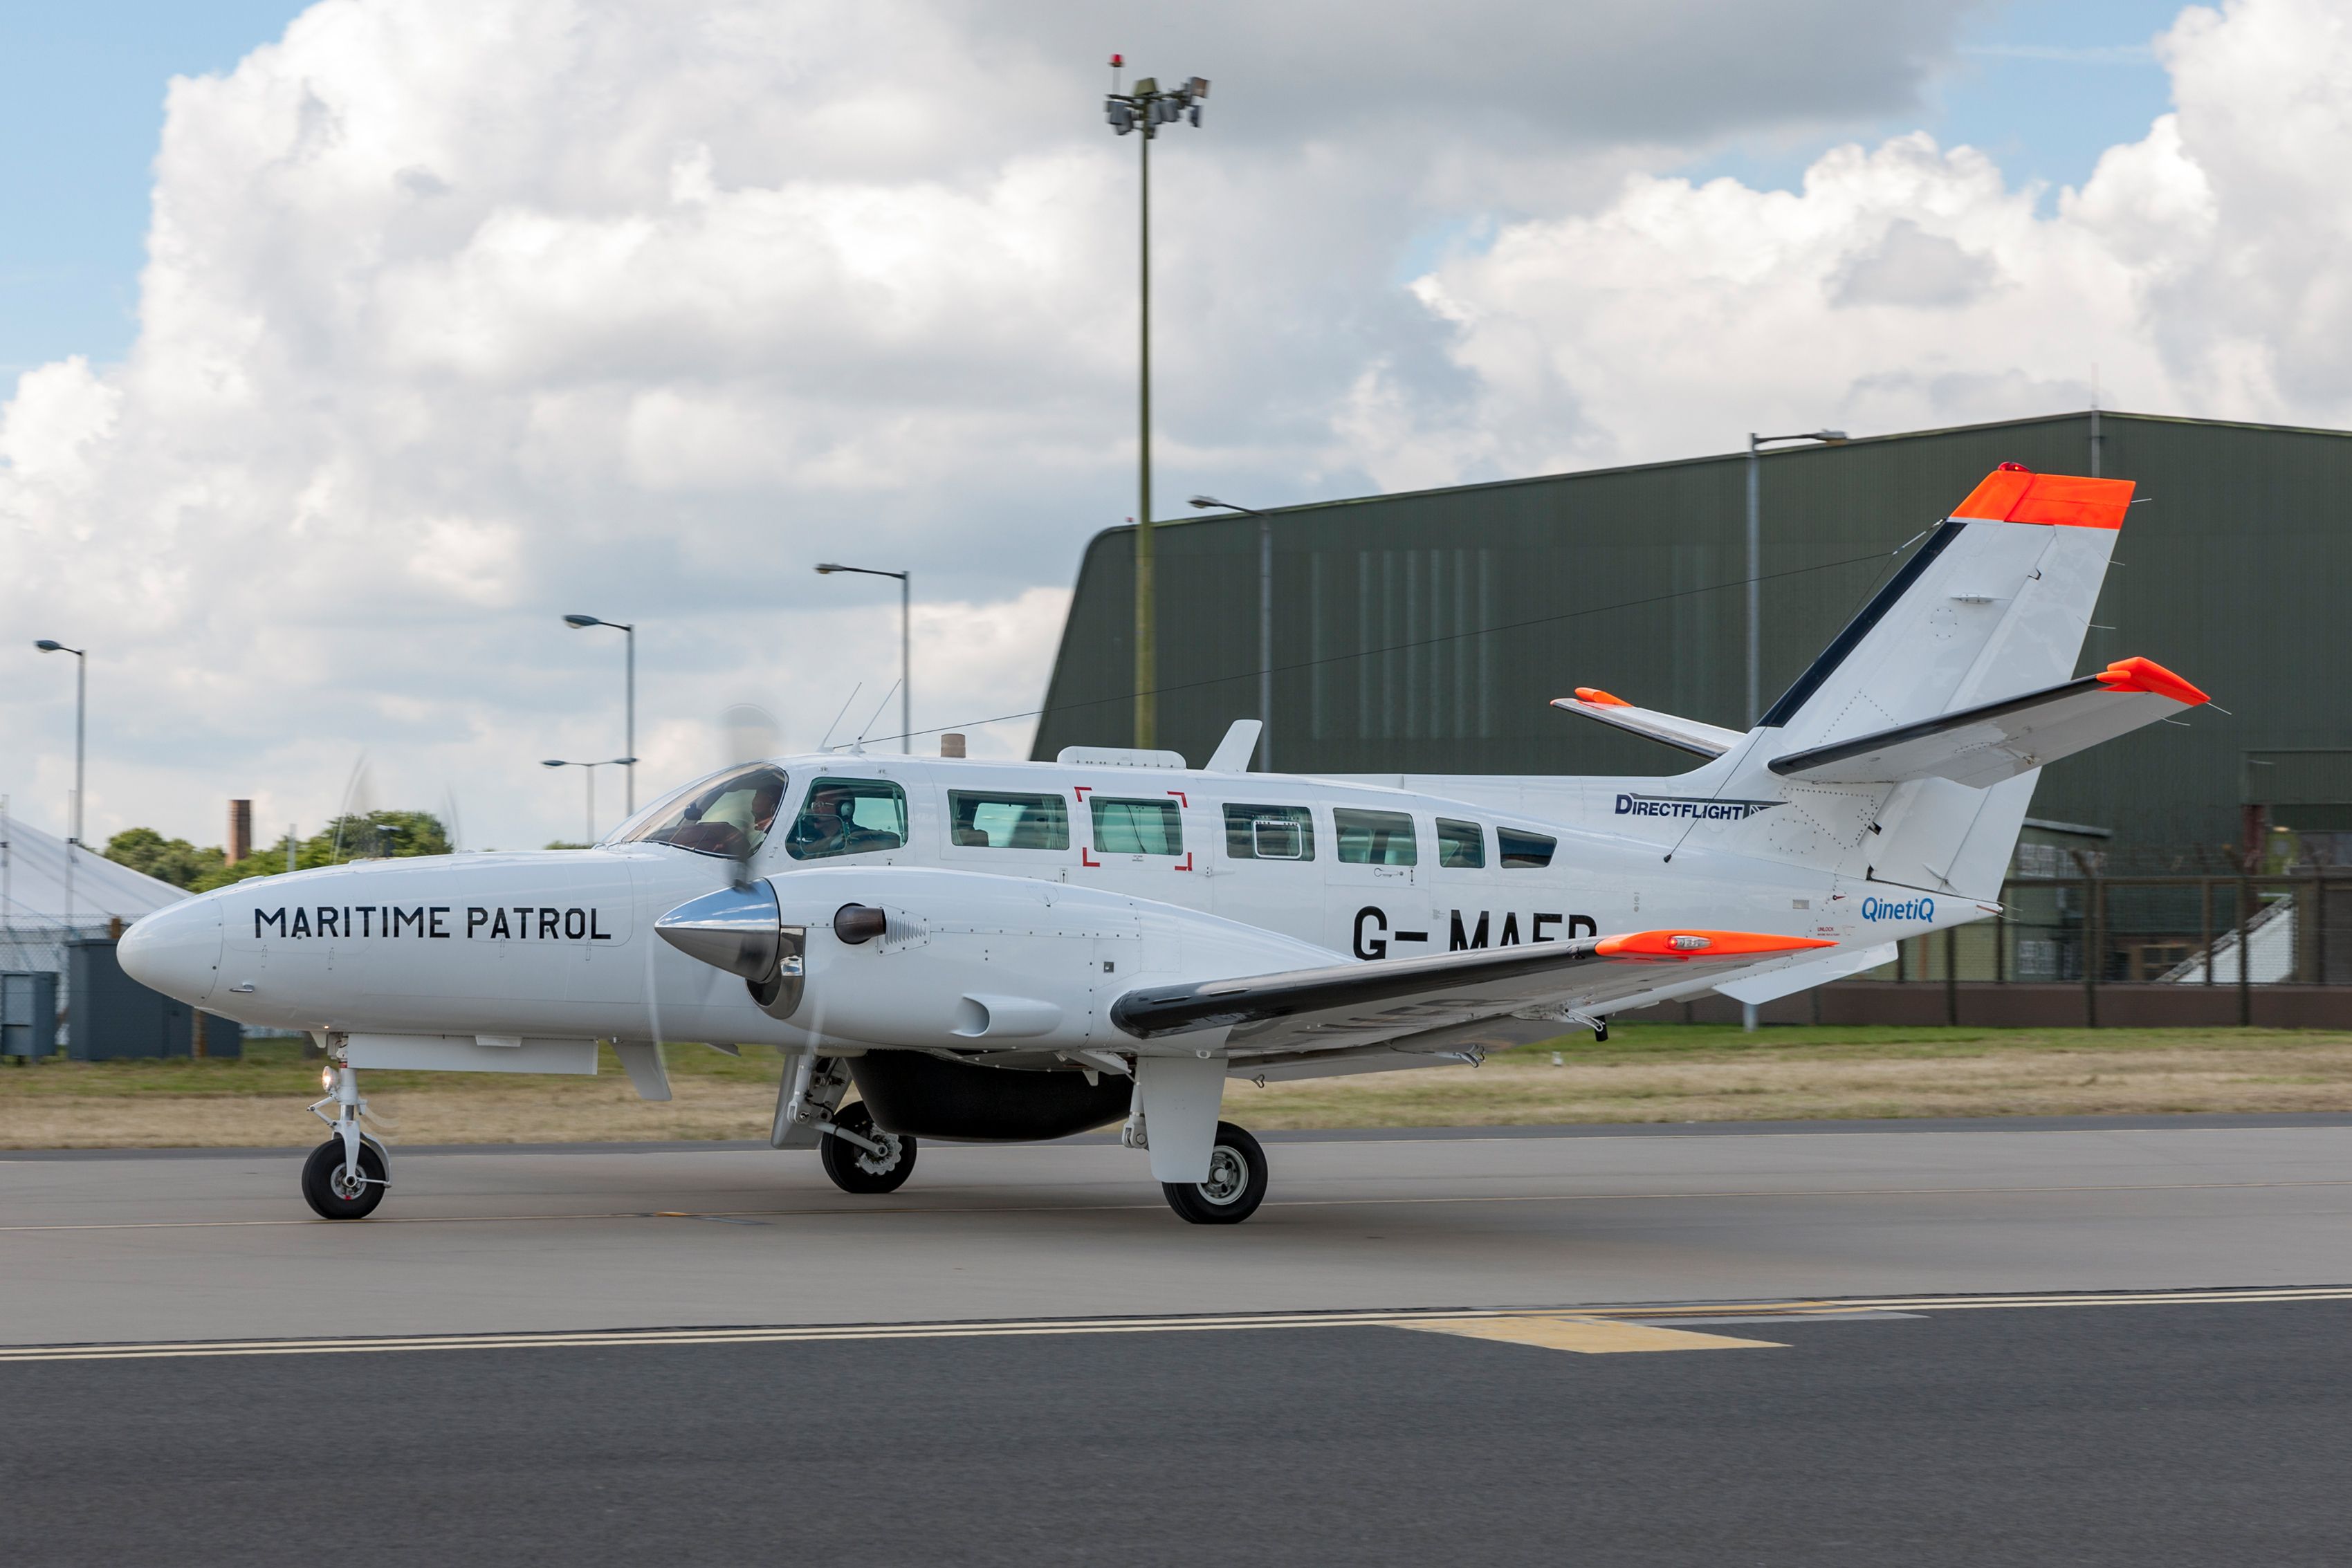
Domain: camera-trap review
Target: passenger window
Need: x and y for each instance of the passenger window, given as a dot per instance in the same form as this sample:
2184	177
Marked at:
730	815
979	821
1523	851
1375	838
1460	846
1138	828
850	817
1269	834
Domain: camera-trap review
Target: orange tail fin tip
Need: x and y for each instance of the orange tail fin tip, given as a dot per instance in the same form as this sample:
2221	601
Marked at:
2011	494
1702	944
1600	698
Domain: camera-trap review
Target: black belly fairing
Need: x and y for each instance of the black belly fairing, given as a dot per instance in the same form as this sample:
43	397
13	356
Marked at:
930	1097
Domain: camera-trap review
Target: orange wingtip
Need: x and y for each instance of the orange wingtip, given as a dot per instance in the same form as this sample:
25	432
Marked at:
1702	944
1600	698
2010	494
2138	674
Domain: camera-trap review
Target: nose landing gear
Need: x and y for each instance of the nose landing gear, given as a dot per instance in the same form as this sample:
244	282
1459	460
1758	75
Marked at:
346	1176
861	1157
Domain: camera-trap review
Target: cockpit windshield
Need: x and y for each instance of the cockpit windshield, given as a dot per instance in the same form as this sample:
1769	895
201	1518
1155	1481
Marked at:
728	815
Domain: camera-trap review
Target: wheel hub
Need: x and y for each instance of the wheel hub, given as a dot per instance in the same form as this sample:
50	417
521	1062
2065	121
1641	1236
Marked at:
1227	1175
887	1161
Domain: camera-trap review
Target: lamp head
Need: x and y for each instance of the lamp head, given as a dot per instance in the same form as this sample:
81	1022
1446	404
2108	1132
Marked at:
1207	501
582	621
555	762
1830	434
49	645
827	569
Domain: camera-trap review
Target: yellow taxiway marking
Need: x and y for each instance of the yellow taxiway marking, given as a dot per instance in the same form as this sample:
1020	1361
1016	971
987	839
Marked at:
1583	1335
1638	1317
860	1211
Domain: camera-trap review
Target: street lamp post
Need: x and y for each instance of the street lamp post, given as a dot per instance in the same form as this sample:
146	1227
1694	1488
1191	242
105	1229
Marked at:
905	645
1146	108
590	769
81	711
1755	444
1264	624
629	731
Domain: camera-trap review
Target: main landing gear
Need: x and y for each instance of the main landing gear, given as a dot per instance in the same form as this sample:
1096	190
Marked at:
1236	1184
346	1176
861	1157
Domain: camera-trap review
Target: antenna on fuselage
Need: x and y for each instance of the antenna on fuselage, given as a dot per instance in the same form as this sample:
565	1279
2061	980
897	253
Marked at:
858	746
821	745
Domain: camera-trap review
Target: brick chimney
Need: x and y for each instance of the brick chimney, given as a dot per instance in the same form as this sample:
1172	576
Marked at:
240	831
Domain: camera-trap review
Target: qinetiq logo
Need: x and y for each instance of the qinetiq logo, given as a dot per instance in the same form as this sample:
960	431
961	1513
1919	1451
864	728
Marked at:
1878	909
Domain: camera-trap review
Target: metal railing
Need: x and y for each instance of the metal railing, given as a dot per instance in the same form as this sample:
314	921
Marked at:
2243	930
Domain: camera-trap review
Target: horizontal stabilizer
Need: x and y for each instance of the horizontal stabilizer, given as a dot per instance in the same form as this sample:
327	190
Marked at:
1980	746
1685	734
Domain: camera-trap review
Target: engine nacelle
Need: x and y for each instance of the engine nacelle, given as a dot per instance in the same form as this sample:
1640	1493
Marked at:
912	956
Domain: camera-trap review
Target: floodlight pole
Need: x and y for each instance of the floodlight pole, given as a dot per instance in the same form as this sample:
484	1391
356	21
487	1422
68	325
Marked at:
1264	624
1756	443
1146	108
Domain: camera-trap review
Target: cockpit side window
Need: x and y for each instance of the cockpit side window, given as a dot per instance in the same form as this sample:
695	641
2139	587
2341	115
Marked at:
730	815
848	817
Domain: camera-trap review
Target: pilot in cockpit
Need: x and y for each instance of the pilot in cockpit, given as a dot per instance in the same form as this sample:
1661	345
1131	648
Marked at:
824	825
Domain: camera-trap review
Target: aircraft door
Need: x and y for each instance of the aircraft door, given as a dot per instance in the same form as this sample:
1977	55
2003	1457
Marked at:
1263	868
1373	907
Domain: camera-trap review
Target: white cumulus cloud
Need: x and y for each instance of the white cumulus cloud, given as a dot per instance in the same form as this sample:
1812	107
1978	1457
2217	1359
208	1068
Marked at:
463	314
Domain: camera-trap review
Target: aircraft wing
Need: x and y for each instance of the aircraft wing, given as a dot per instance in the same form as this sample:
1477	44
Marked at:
1428	1000
1683	734
1981	747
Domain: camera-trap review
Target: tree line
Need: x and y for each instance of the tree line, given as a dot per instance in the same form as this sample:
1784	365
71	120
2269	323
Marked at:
373	836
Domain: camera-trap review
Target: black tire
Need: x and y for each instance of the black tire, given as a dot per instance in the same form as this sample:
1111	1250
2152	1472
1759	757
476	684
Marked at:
1236	1184
319	1180
854	1169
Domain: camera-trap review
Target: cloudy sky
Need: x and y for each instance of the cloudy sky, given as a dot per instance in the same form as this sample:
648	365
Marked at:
347	348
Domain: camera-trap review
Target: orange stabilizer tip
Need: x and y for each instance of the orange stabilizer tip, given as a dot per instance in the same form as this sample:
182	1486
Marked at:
1600	698
2138	675
2012	495
1702	944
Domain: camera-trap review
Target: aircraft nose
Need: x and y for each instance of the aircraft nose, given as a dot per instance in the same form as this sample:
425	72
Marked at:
176	950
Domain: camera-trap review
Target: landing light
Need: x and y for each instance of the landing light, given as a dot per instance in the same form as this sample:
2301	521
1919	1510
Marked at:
327	1079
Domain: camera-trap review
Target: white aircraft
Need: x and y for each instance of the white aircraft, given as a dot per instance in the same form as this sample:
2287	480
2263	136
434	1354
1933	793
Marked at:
1009	951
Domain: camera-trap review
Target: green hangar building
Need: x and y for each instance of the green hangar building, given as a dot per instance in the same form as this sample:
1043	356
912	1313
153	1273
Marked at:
2186	873
1427	632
